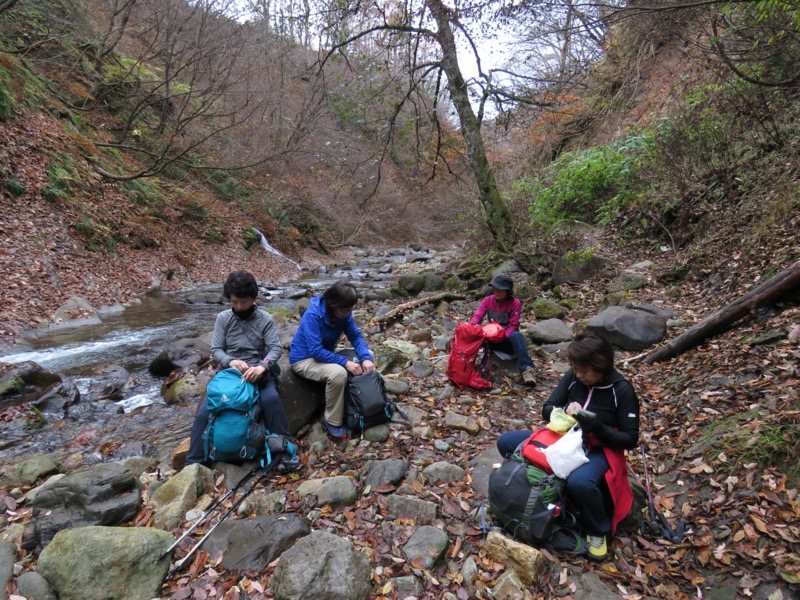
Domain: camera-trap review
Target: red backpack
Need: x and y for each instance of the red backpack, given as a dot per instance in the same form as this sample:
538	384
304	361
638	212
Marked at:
464	349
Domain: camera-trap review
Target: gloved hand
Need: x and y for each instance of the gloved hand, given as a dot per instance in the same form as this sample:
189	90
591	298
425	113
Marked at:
588	422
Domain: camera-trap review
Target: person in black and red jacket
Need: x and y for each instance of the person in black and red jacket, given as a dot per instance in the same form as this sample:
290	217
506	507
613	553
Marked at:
607	409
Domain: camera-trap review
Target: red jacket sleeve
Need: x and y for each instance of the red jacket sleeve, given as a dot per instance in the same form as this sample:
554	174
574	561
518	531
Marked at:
482	308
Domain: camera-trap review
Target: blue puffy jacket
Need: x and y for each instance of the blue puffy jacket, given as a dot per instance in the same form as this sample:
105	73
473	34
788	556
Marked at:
317	335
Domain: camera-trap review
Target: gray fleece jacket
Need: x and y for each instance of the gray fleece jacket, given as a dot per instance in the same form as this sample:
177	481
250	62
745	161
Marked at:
254	341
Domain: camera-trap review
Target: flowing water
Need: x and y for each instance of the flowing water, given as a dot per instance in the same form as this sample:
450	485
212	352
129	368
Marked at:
132	339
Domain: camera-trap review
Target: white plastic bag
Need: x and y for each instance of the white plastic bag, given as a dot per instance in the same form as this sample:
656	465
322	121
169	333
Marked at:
565	455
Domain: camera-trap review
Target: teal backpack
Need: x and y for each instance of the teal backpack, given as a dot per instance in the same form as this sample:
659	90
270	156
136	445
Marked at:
235	433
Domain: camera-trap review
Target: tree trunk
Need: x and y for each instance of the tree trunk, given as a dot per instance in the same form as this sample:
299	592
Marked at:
395	312
770	290
498	218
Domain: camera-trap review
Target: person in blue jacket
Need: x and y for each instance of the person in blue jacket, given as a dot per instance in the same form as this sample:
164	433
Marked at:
312	352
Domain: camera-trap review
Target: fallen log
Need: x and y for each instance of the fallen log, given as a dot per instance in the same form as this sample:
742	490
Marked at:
772	289
417	302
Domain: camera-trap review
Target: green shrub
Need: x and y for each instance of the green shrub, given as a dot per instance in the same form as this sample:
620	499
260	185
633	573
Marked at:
61	177
227	186
98	236
6	95
145	192
214	235
584	185
14	186
251	238
194	210
173	171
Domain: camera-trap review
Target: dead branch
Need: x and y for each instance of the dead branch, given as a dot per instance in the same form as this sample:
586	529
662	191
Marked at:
772	289
399	310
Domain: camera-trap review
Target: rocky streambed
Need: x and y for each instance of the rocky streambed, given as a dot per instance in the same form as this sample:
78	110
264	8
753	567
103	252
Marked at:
389	514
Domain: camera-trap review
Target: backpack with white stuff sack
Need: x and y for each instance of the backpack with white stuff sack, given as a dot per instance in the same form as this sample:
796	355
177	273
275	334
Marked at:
235	432
368	404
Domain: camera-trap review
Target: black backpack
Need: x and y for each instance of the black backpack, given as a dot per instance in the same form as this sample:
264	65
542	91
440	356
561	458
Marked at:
368	404
527	501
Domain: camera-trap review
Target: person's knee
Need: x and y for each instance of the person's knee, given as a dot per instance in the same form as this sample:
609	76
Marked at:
338	375
580	487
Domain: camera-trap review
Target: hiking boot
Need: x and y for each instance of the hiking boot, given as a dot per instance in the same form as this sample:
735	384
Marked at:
336	431
598	549
528	376
568	541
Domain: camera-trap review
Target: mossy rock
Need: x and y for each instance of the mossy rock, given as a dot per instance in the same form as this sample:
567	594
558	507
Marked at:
280	315
12	385
547	309
575	267
453	283
187	389
397	292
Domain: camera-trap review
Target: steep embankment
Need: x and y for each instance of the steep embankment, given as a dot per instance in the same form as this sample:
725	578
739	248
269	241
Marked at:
46	257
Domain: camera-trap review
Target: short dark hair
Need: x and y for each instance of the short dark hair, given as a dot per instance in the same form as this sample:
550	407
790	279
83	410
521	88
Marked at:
341	294
591	350
241	284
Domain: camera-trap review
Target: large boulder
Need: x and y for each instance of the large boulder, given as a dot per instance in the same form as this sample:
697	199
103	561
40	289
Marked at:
181	354
28	383
180	493
28	470
411	283
337	491
426	547
528	562
251	544
104	494
322	566
629	329
187	388
575	267
302	398
549	331
98	563
7	558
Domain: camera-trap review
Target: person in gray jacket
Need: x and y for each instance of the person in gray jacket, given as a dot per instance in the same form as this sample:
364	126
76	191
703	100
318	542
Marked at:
245	338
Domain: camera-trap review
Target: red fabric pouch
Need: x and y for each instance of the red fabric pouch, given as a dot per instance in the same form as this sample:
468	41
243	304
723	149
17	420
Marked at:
533	446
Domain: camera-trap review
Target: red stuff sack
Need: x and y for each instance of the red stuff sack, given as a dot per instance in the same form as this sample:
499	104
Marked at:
494	332
538	441
467	341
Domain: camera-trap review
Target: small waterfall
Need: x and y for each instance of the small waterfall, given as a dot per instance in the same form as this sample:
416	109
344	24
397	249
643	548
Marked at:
268	247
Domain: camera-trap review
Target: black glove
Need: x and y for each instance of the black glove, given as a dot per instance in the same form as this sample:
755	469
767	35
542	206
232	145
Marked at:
588	422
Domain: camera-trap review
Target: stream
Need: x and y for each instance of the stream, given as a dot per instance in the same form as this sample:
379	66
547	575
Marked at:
96	429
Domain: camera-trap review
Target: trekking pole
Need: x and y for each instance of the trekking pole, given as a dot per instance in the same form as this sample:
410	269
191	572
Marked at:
230	492
658	523
267	471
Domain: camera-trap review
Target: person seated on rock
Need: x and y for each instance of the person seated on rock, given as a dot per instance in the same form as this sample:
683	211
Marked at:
244	338
312	351
503	308
606	407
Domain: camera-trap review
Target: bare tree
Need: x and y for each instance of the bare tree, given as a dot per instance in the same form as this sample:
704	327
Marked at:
120	13
422	37
192	76
7	5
